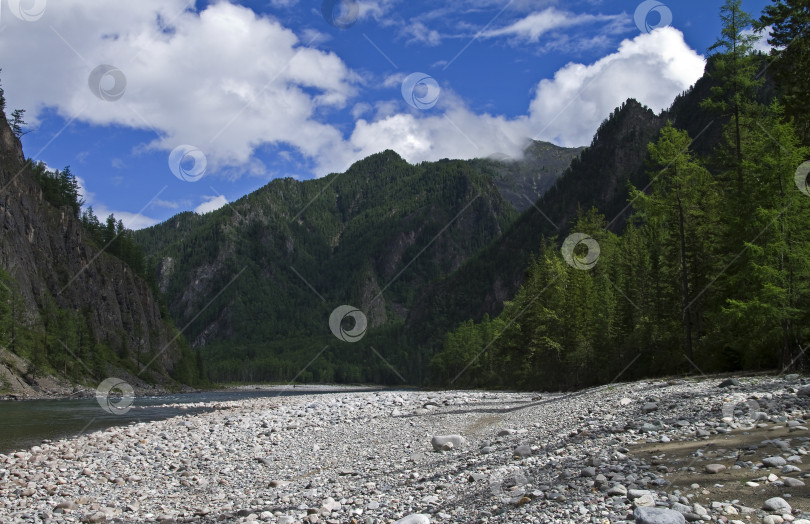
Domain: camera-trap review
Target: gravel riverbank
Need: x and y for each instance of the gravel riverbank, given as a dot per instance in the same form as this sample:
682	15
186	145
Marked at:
650	452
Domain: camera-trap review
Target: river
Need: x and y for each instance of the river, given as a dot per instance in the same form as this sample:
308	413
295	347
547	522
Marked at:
28	422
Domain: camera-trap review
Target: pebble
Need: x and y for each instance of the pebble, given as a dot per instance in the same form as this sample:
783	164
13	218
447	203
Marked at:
414	519
714	468
658	516
440	441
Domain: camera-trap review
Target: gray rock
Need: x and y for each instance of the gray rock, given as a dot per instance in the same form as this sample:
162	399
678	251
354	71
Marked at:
658	516
522	451
588	472
636	493
416	518
714	468
777	504
439	441
617	490
774	462
804	391
649	407
330	505
728	383
792	483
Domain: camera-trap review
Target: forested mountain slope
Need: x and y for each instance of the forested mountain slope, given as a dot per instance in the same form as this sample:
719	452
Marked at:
266	271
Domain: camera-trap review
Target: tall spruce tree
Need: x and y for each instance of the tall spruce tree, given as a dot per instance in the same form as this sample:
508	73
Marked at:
766	312
683	204
734	67
789	25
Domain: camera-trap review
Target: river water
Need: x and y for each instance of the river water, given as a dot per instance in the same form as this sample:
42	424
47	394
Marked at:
27	423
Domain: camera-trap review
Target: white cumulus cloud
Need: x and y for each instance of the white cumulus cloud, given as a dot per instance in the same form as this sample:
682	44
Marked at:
228	82
652	68
534	25
212	204
567	109
224	80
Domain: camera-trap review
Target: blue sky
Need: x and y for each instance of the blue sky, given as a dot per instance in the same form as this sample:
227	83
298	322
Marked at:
163	106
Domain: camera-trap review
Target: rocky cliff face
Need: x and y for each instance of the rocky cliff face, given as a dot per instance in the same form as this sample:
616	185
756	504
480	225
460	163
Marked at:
51	260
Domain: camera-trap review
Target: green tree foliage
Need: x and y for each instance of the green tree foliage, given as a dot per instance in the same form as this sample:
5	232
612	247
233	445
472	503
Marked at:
682	207
60	188
764	316
789	24
17	122
735	68
118	241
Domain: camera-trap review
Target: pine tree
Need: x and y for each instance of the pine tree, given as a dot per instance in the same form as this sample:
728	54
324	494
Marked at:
734	68
789	23
767	309
17	122
683	204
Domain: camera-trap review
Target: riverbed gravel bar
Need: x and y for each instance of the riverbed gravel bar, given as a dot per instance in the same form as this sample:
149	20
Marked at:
661	451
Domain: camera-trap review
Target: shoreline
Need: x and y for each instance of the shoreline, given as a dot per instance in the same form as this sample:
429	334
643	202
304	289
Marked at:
83	392
369	457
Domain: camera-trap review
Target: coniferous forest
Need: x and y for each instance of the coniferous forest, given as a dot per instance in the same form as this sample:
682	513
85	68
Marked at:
711	272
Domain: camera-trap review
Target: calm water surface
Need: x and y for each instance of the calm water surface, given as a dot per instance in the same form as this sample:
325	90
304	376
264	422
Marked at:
26	423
